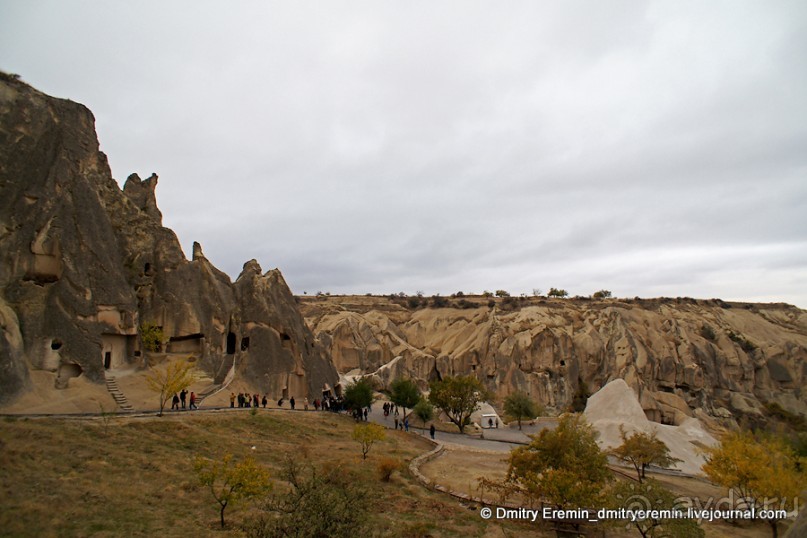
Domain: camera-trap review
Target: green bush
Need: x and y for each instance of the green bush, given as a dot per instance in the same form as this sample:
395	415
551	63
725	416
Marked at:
320	502
555	292
152	336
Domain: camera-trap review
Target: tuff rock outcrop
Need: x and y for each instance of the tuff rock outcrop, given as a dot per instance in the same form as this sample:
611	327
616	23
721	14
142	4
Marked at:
85	266
682	357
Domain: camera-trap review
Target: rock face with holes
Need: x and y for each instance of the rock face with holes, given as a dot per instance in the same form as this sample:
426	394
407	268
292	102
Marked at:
86	265
680	356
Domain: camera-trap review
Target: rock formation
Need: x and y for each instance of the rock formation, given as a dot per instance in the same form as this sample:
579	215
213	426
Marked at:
615	408
84	266
678	355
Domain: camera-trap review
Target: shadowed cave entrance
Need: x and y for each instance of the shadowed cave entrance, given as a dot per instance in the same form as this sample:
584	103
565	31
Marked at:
231	339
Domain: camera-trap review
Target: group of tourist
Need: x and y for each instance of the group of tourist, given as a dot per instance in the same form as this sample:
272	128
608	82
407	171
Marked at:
182	398
361	414
403	425
247	400
390	408
327	403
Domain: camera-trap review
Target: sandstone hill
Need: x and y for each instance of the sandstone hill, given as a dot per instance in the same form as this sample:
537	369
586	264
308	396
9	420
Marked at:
86	266
683	357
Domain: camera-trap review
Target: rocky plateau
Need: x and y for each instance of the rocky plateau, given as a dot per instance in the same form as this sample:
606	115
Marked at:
683	357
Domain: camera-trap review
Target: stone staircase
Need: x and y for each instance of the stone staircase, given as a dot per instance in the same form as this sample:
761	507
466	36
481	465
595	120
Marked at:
216	387
117	395
212	389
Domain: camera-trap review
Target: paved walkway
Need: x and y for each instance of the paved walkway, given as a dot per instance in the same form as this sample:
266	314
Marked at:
495	439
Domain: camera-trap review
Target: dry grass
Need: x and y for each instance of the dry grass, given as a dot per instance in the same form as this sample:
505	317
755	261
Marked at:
135	477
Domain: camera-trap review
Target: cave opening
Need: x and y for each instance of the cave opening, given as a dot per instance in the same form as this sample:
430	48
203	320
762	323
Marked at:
231	343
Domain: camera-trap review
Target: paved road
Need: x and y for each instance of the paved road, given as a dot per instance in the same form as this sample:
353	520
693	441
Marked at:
496	439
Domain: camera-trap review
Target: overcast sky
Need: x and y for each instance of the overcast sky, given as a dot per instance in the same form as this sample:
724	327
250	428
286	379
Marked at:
648	148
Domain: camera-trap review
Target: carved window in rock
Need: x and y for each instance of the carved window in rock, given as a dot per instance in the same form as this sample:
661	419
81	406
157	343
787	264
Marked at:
231	343
285	340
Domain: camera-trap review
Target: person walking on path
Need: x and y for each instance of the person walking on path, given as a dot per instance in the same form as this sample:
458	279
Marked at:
305	403
291	402
232	399
193	401
406	424
183	395
264	401
175	402
431	431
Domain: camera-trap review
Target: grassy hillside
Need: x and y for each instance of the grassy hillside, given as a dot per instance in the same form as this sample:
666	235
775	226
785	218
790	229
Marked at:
134	476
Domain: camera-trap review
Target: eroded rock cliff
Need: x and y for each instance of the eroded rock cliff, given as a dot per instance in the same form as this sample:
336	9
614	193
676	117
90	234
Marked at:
680	356
84	266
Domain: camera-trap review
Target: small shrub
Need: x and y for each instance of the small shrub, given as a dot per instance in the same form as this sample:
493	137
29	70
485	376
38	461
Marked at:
555	292
320	502
602	294
780	413
367	435
152	336
707	332
386	466
744	344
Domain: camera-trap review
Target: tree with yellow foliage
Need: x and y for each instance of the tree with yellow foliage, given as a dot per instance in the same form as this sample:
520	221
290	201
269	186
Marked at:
367	434
229	481
765	473
563	466
169	380
642	449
